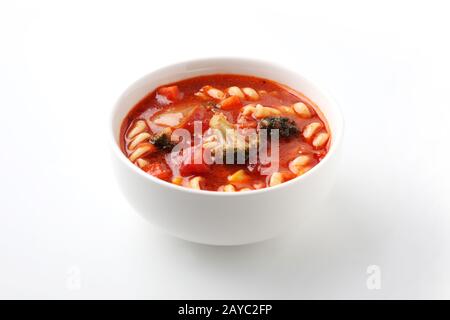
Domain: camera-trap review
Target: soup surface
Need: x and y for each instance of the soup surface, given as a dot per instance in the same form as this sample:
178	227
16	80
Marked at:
228	133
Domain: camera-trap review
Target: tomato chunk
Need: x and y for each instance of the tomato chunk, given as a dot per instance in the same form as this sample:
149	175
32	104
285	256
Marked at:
231	103
159	170
172	93
193	162
193	168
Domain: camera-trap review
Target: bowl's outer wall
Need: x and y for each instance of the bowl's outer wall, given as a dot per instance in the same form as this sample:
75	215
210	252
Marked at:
235	219
205	218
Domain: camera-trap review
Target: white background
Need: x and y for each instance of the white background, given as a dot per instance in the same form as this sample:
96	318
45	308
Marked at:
67	232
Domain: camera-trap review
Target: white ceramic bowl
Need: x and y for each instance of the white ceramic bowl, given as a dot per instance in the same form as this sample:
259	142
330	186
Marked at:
216	217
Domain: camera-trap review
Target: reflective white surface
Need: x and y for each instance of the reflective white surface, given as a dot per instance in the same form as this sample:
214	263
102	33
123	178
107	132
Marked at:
66	231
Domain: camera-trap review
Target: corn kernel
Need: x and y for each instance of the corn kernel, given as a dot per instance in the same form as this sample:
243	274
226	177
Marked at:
238	176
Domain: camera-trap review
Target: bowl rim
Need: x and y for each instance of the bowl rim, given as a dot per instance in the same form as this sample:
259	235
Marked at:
337	136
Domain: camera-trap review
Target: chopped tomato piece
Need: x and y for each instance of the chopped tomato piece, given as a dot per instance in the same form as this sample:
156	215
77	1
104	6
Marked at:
193	162
231	103
159	170
172	93
193	168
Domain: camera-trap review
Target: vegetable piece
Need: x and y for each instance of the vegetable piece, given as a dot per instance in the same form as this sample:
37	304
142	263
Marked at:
175	116
159	170
191	165
238	176
287	127
177	180
172	93
220	122
187	169
169	119
162	140
230	103
231	141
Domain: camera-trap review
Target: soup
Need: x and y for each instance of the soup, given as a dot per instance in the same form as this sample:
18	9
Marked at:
227	133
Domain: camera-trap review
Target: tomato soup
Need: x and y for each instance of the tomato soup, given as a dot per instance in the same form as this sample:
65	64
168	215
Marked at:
209	133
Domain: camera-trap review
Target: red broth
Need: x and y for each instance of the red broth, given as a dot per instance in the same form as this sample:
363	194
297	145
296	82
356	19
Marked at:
244	103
